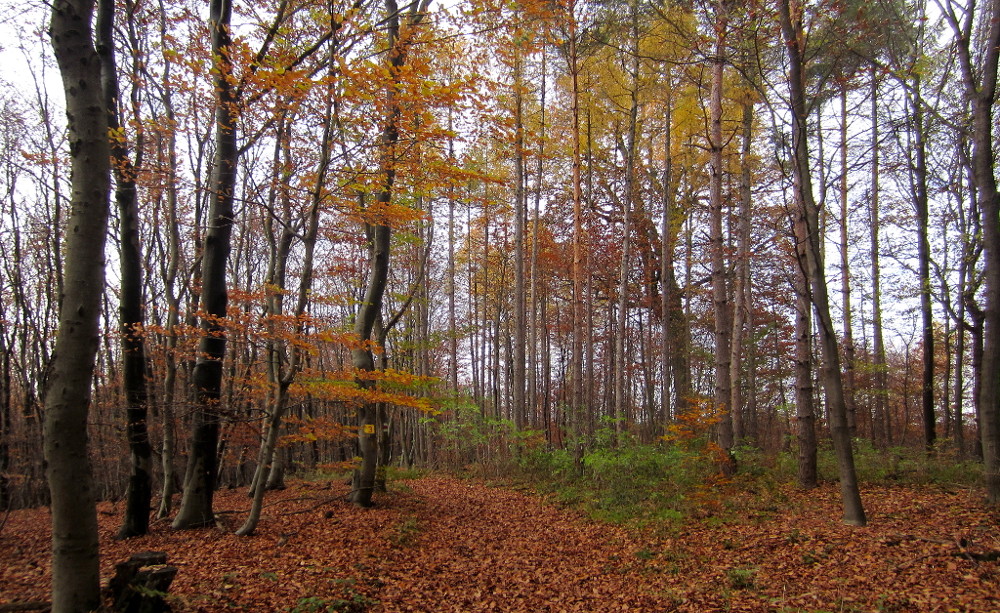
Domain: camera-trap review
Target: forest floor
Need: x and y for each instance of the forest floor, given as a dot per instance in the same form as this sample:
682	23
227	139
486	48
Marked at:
440	543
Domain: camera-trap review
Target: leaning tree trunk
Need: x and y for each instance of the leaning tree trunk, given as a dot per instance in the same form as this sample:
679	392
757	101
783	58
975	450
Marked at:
854	513
200	477
75	568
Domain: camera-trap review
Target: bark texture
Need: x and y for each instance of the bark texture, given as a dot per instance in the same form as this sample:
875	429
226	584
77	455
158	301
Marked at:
75	570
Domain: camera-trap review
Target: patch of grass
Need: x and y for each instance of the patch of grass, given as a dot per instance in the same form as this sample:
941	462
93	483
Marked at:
398	473
645	553
617	479
355	603
742	577
892	466
405	532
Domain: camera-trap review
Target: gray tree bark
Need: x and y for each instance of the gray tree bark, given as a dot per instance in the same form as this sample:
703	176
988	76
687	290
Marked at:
75	568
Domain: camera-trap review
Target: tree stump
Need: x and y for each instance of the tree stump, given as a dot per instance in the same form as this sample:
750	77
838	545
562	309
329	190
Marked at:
140	584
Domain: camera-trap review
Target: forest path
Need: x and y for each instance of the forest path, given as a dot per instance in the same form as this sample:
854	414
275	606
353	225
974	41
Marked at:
441	544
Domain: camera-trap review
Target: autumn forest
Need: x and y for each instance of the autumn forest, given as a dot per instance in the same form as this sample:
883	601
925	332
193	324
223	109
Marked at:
646	259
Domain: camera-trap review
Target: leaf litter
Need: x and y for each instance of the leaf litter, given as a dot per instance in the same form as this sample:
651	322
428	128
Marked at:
441	544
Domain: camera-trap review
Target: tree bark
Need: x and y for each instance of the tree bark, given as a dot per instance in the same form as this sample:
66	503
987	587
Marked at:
720	282
380	235
140	490
918	171
979	76
75	568
792	30
845	272
200	478
520	211
880	414
744	427
805	412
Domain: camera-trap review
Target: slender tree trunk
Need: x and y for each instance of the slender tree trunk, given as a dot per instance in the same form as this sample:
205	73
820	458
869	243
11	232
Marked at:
139	495
452	316
854	513
576	357
520	212
918	175
533	387
75	568
720	285
202	468
845	273
741	303
880	412
621	374
380	236
805	412
170	291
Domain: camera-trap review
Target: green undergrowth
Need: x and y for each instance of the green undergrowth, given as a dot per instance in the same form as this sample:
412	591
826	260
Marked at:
621	480
627	482
892	466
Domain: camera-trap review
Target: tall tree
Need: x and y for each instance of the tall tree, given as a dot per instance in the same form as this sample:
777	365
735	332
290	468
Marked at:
972	22
140	487
75	569
720	273
202	468
791	14
379	233
880	411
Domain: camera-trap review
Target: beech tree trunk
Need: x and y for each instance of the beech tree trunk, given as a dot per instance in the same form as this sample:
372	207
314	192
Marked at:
918	170
75	568
805	412
845	273
744	426
880	414
140	488
519	373
379	236
200	477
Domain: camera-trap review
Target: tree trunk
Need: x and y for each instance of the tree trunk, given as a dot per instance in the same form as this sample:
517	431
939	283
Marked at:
629	202
200	478
75	568
576	356
140	491
380	236
743	427
520	211
854	513
880	413
980	80
172	257
720	286
805	413
918	172
845	273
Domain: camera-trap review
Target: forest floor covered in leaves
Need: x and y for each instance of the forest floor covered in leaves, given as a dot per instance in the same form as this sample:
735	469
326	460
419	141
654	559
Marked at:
440	543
